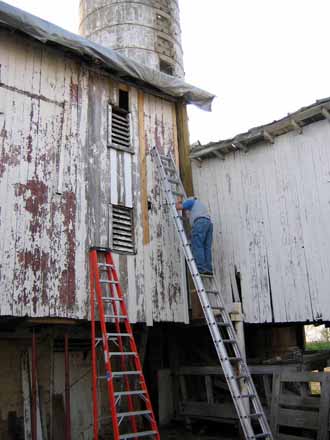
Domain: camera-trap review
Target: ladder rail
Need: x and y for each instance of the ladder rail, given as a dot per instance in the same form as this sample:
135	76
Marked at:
222	352
98	289
115	306
133	346
108	293
94	364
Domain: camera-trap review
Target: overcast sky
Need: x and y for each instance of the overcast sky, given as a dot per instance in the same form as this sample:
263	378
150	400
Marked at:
262	58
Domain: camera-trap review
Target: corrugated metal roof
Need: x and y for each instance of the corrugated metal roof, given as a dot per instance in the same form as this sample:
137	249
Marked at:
123	67
265	133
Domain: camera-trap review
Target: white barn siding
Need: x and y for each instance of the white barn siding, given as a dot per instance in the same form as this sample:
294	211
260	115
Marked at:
57	180
271	209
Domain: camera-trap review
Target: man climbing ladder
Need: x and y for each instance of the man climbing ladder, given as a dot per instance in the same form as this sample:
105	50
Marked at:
251	416
201	232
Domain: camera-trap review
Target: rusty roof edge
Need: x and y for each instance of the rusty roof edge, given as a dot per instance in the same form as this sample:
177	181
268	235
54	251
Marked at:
123	66
267	132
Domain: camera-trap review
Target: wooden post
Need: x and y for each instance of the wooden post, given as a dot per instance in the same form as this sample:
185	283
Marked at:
143	170
209	389
236	316
324	408
274	410
184	147
34	387
184	394
25	373
67	388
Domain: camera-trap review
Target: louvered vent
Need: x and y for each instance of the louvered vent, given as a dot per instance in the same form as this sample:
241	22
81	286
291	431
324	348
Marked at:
122	229
119	128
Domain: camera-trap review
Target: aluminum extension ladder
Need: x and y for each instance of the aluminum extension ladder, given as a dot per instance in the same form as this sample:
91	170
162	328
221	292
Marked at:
247	403
128	398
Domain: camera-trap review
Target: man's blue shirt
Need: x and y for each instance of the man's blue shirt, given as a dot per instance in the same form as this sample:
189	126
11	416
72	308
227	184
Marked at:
188	204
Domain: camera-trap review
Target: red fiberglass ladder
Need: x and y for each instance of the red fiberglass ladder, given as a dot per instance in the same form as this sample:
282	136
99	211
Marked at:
128	399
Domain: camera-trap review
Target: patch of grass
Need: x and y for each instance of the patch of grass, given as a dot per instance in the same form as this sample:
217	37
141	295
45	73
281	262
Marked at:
318	346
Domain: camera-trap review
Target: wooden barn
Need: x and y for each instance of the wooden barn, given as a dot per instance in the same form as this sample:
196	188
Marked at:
269	197
77	121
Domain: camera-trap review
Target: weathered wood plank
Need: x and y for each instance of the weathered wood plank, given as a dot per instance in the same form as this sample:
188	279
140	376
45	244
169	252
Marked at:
206	410
143	170
274	409
57	179
297	419
291	437
270	209
323	422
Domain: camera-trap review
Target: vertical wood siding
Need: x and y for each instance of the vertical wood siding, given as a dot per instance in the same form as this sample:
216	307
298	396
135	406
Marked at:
271	210
57	180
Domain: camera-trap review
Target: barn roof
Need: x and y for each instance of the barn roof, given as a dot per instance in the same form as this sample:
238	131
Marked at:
119	65
244	141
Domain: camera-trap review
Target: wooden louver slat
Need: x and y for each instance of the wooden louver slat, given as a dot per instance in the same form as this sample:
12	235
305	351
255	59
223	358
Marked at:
122	229
120	129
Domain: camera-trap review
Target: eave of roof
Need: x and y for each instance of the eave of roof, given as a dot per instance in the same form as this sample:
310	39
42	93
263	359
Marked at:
123	67
320	110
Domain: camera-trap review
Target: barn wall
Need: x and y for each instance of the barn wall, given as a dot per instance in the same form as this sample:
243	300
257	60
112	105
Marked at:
58	178
271	210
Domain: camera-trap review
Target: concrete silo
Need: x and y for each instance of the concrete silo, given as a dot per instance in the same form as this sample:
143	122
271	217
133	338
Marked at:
147	31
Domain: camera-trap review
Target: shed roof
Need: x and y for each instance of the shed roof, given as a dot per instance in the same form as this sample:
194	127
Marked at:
123	67
244	141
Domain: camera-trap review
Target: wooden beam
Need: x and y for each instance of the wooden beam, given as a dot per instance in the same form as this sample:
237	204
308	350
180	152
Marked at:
184	147
34	388
206	410
143	170
175	136
297	418
26	389
53	321
67	388
219	155
325	112
268	137
296	126
241	146
323	431
209	389
274	409
291	437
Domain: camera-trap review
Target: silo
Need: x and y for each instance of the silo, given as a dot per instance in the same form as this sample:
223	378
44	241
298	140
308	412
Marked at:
147	31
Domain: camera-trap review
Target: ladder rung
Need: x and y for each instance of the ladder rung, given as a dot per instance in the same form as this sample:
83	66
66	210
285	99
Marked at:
254	415
129	393
223	324
263	435
105	265
122	353
111	298
116	316
126	373
109	282
176	193
230	341
232	358
217	308
214	292
243	396
241	376
167	158
119	334
138	434
133	413
173	170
